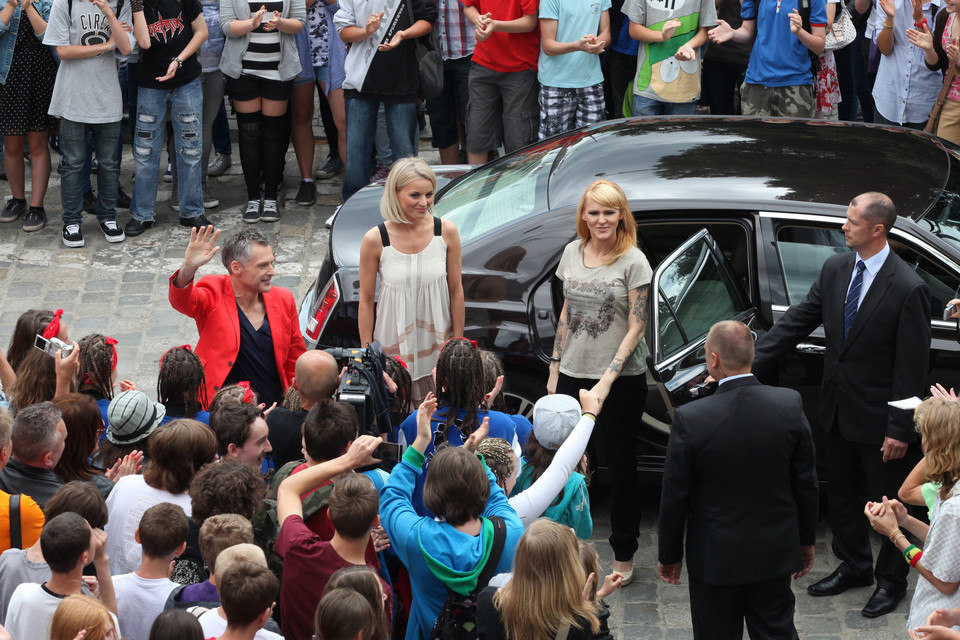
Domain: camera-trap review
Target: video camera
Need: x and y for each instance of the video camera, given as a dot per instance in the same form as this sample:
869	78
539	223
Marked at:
362	386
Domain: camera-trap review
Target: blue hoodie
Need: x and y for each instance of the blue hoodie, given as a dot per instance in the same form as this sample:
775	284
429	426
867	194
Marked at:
434	552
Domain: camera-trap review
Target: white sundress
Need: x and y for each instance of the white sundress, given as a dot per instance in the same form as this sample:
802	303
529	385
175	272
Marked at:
413	308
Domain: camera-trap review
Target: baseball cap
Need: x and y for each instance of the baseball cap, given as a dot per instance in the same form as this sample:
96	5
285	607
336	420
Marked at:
132	417
554	417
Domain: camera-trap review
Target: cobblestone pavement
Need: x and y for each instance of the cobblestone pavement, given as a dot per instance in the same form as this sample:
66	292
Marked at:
121	290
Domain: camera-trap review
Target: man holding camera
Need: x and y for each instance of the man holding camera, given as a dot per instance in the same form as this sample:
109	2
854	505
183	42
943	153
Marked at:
249	330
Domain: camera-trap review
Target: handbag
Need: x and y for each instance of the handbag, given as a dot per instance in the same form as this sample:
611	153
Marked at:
842	33
429	64
931	126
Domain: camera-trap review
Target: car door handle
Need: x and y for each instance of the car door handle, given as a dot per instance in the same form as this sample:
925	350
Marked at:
807	347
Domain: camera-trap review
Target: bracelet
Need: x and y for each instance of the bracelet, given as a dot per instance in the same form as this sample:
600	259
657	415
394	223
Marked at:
915	559
552	359
589	413
909	553
896	535
920	25
179	62
887	26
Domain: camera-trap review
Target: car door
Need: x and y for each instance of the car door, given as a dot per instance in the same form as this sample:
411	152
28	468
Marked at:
693	288
794	248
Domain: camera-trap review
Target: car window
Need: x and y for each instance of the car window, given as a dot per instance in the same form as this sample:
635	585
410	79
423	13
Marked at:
694	291
803	250
499	193
943	218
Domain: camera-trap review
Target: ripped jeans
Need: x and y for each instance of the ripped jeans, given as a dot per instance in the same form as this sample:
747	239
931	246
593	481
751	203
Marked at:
186	107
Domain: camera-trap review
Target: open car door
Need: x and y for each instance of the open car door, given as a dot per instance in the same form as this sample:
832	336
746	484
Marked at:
693	288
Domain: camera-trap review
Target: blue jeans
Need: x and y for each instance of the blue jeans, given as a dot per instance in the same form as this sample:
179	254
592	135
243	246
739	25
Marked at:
647	107
402	130
73	150
186	106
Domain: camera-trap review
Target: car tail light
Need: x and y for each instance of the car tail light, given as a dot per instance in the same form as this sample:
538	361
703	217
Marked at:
320	316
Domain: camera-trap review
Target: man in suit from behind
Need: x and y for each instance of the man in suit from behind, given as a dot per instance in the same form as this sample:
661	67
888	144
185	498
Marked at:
741	475
875	312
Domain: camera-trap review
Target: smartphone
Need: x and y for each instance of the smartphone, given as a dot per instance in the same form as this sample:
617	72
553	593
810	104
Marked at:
389	451
949	311
53	345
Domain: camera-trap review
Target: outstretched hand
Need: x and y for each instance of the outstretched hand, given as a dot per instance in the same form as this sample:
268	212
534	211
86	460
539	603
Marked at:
424	430
478	436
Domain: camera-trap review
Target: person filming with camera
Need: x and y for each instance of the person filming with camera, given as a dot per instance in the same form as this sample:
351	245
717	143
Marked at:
249	329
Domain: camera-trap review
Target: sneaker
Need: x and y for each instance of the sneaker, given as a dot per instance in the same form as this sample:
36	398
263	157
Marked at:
209	202
175	198
111	231
270	211
196	223
252	213
381	173
90	202
307	193
219	165
135	227
13	210
123	200
168	174
332	168
35	219
72	237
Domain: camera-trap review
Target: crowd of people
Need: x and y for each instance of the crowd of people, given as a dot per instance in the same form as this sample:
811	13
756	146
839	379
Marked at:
513	73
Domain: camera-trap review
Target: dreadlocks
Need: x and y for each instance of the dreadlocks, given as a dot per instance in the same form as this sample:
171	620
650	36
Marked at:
182	380
96	365
500	458
460	383
403	403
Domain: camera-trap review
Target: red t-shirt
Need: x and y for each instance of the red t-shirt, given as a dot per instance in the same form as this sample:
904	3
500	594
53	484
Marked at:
508	52
308	563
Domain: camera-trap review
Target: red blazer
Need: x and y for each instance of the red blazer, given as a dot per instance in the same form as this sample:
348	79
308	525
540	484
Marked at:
212	304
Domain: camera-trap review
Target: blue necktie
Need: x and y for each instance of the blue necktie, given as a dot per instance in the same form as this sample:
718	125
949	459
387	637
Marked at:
853	299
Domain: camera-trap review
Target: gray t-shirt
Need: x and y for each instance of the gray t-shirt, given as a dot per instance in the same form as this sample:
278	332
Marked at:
15	569
597	309
87	89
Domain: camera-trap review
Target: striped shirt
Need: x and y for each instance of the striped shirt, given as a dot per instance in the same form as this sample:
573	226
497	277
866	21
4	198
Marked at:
262	57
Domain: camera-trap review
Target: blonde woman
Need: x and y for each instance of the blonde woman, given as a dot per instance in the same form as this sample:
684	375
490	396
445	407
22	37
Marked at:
936	596
84	617
417	257
599	344
545	594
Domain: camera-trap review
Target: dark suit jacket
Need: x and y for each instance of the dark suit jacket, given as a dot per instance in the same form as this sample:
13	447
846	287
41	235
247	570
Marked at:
741	474
885	357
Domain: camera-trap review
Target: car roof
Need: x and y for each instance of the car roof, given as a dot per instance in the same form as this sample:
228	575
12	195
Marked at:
721	162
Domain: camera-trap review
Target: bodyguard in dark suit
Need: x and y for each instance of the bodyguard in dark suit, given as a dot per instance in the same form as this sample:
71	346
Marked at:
741	474
875	312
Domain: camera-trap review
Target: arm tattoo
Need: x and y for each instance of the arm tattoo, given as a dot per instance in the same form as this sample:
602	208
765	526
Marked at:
640	304
559	339
616	365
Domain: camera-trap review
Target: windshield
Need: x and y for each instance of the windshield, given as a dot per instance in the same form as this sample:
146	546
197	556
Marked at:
943	219
499	193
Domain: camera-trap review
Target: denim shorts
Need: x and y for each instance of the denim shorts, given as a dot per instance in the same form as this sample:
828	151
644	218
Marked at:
251	87
320	73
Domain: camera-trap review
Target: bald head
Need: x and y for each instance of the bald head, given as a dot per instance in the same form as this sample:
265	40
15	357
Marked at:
876	208
316	376
732	343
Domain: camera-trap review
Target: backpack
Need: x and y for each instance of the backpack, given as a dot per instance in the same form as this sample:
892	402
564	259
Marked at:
266	526
458	616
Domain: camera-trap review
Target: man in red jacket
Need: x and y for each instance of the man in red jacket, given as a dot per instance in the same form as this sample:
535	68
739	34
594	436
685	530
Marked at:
249	330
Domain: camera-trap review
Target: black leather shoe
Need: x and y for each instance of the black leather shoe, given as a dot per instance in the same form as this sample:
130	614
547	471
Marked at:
199	221
135	227
882	602
838	582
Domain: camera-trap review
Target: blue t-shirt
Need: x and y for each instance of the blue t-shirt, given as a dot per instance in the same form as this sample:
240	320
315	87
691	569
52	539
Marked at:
501	426
622	42
575	19
778	58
